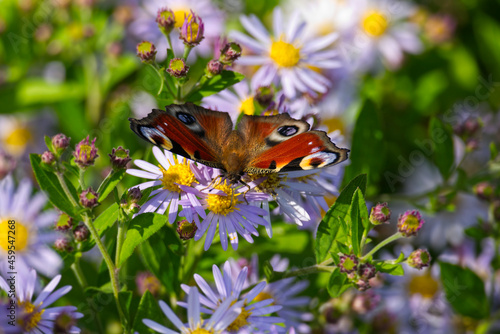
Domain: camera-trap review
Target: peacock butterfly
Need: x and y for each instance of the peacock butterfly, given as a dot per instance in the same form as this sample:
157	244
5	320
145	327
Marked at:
259	144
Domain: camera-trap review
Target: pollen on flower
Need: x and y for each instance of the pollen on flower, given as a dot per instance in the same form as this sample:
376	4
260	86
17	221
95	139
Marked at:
223	204
240	322
375	23
22	235
31	316
179	173
272	181
284	54
247	106
424	285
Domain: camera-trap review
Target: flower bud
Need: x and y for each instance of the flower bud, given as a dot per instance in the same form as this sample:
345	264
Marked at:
214	67
264	96
419	259
64	222
145	281
362	285
135	194
367	271
85	153
186	230
348	263
48	158
88	198
177	68
119	158
60	142
134	208
192	30
229	53
63	245
410	223
81	233
484	190
64	323
146	51
7	164
166	20
380	214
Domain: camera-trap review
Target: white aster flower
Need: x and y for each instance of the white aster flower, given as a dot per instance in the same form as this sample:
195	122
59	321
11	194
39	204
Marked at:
240	100
285	56
23	228
255	312
223	315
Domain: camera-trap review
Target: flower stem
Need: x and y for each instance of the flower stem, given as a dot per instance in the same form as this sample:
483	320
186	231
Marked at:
170	44
187	50
81	178
390	239
60	177
119	240
317	268
77	270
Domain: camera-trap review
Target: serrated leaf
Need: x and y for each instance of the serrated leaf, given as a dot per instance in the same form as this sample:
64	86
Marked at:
49	183
338	283
140	229
465	291
215	84
148	309
329	228
109	183
442	143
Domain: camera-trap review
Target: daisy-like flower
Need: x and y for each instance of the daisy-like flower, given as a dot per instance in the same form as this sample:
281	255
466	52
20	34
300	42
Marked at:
285	56
384	32
228	209
35	316
21	213
171	173
254	312
224	314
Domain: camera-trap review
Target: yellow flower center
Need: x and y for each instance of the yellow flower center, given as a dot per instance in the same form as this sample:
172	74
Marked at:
272	181
192	31
247	107
334	123
411	223
223	204
180	15
180	173
375	23
85	151
31	316
200	331
240	322
17	139
425	285
263	296
284	54
17	238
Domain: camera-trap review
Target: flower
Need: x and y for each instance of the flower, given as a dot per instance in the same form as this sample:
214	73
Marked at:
177	68
166	20
192	30
224	315
146	51
186	230
419	259
234	101
286	56
119	158
253	310
410	222
88	198
85	153
380	214
171	173
35	316
31	236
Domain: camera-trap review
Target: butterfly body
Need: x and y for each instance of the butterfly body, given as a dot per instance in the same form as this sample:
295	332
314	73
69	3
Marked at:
259	144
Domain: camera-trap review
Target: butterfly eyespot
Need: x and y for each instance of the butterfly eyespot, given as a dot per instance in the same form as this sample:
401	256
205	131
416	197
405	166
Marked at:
186	118
288	130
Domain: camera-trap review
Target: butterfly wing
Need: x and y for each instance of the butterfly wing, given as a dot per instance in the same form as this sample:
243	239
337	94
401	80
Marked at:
281	143
188	130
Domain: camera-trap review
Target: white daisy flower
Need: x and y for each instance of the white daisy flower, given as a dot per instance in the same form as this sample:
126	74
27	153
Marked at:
34	317
236	102
254	312
171	173
224	314
22	214
285	57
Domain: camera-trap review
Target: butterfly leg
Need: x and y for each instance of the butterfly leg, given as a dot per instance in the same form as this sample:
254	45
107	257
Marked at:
214	181
246	191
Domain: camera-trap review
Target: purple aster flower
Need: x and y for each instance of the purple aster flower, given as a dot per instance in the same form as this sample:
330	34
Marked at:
285	56
172	173
253	311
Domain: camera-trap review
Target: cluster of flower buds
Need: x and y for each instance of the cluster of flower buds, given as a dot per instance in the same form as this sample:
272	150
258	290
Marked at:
70	233
130	204
56	146
228	54
358	273
468	130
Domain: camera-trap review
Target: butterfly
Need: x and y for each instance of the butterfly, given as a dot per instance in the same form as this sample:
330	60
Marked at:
258	144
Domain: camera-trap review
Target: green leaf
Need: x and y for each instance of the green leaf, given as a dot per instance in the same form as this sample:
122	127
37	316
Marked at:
39	91
357	213
476	232
214	85
442	143
125	300
48	143
148	309
390	268
140	229
49	183
368	149
464	290
109	183
400	258
329	228
338	283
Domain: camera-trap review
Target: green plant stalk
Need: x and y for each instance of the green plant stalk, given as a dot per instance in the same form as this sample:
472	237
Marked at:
120	238
81	178
187	50
317	268
363	239
77	270
60	177
390	239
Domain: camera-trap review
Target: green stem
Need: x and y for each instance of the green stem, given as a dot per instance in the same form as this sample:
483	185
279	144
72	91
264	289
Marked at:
170	44
187	50
326	262
162	79
60	177
77	270
81	178
119	240
363	239
111	267
390	239
317	268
